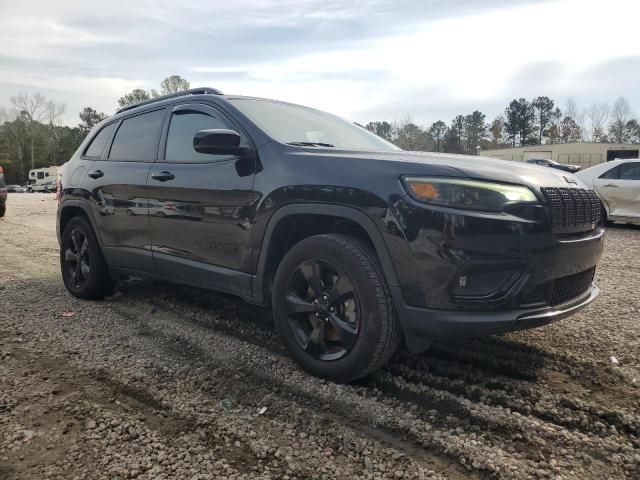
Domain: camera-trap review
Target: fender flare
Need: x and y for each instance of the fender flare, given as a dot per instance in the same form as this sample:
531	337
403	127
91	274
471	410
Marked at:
75	203
348	213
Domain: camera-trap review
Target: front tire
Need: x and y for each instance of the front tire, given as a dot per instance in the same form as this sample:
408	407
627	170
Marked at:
332	308
84	270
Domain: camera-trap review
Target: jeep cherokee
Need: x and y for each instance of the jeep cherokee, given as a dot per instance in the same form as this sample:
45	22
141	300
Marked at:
352	242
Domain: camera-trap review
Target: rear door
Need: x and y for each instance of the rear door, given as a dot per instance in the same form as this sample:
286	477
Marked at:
620	188
116	181
201	205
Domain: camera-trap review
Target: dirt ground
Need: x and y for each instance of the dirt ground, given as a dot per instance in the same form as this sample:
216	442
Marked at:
163	382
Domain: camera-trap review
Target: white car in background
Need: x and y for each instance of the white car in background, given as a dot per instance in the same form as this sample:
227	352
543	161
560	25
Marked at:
617	183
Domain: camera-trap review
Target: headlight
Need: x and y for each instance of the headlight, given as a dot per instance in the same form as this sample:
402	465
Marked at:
467	194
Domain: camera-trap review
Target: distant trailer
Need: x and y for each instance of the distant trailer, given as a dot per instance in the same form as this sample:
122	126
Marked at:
43	179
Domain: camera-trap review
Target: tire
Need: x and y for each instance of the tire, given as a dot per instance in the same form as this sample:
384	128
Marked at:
340	340
84	270
3	209
30	190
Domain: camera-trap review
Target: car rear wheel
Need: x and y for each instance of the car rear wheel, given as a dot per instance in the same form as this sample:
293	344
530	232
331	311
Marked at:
332	308
3	209
84	270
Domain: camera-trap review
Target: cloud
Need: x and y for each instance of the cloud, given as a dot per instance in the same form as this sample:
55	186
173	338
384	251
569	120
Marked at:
362	60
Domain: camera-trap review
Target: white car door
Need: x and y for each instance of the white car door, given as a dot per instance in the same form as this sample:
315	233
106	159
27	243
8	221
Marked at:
620	188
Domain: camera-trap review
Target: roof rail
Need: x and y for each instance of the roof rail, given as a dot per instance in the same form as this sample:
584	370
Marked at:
184	93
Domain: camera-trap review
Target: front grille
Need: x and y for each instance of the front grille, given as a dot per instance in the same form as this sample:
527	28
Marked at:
573	209
571	286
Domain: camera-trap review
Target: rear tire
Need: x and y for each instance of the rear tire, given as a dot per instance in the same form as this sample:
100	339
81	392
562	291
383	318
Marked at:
344	326
84	270
3	209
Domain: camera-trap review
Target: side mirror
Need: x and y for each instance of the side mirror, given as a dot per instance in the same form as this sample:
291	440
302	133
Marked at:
218	142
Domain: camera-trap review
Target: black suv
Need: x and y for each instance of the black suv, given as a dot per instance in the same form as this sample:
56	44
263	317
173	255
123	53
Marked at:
351	241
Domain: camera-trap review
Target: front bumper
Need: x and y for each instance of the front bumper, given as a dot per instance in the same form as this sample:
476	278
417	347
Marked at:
422	325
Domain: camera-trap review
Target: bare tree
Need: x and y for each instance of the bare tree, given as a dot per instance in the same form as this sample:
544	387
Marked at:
53	113
620	115
33	108
598	114
577	115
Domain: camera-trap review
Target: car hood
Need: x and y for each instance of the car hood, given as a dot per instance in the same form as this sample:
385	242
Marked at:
478	167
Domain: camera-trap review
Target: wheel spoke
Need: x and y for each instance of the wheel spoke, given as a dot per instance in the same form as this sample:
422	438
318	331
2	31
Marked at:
76	241
70	256
84	247
312	274
299	305
341	288
315	343
76	274
347	332
84	269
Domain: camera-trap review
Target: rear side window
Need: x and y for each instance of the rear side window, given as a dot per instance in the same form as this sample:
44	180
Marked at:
137	138
630	171
96	147
611	174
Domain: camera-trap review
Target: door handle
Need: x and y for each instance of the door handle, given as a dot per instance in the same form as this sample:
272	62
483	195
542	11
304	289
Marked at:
611	185
96	174
162	176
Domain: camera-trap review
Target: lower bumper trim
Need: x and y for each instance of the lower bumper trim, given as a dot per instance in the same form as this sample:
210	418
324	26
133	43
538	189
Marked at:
422	325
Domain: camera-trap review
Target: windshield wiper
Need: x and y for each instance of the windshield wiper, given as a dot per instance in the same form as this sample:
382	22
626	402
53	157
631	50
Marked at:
310	144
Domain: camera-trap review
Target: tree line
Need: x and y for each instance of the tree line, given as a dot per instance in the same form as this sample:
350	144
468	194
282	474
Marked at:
32	136
523	122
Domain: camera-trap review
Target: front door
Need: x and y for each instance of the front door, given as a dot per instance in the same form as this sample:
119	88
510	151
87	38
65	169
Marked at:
201	205
620	187
116	179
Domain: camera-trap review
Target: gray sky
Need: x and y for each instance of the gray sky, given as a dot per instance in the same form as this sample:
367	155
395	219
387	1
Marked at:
361	59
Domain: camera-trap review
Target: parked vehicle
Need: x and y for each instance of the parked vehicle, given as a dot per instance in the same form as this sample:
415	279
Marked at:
617	183
3	194
43	179
16	189
550	163
352	242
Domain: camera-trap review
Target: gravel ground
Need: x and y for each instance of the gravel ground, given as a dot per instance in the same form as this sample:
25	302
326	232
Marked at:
166	382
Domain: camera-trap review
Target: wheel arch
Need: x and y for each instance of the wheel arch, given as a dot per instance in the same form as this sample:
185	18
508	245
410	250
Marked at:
325	218
72	208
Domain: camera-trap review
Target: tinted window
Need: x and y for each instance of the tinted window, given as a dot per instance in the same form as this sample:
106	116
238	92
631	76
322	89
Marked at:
613	173
40	175
96	147
630	171
184	125
137	138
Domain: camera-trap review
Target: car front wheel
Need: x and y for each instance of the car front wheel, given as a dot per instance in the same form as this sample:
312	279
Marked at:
84	270
332	308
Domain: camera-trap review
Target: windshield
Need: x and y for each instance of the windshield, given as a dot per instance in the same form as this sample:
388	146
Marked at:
302	126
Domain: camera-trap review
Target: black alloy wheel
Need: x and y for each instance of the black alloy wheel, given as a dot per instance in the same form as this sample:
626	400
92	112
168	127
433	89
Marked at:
84	270
332	307
77	259
323	310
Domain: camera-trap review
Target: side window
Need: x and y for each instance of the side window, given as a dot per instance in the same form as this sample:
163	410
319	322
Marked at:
630	171
182	128
611	174
137	138
40	175
96	147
